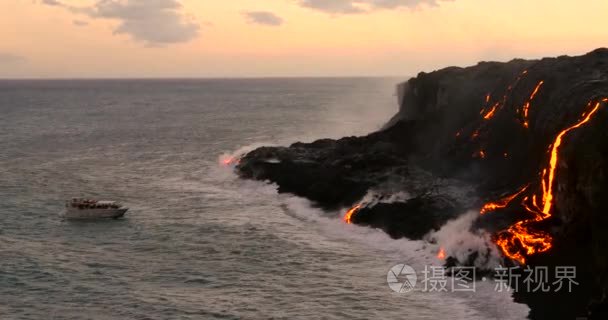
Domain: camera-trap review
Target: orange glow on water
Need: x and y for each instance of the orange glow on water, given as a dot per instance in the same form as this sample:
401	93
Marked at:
230	161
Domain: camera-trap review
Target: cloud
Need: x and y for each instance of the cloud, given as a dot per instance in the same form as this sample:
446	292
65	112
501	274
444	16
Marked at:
335	6
9	58
80	23
52	3
154	22
263	17
363	6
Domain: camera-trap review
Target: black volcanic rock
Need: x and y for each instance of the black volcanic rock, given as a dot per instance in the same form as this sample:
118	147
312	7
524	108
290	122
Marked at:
410	219
483	126
332	173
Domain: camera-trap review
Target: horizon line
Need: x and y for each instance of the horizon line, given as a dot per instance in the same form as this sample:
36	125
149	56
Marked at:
197	78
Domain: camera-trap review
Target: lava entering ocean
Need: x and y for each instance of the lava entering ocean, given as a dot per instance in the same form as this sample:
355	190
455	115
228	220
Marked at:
521	239
230	161
441	254
349	214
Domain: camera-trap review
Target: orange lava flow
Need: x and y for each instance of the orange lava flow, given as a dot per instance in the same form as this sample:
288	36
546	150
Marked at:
492	110
521	235
349	214
441	254
526	107
502	203
536	89
521	239
490	114
549	174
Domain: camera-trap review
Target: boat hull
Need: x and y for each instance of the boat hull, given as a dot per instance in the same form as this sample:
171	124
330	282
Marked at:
97	213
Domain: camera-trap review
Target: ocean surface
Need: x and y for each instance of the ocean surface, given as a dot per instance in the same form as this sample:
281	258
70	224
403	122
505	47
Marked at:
197	243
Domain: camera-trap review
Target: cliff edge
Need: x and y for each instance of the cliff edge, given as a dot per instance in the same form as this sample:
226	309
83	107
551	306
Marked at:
523	142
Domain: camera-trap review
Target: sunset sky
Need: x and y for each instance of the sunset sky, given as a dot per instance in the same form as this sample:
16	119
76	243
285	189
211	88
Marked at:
267	38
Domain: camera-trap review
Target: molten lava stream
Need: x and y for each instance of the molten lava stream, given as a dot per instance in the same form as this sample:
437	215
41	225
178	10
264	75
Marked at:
349	214
521	240
490	114
502	203
521	236
526	107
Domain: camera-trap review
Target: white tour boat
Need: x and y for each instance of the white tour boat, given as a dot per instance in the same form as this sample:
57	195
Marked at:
92	209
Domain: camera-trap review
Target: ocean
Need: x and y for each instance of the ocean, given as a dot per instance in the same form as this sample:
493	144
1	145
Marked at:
197	242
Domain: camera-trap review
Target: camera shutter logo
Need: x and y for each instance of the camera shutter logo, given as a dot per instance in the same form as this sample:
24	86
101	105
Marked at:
401	278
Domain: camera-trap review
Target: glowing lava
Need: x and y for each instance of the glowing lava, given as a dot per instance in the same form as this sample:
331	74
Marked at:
490	114
521	239
536	89
522	236
549	174
349	214
230	161
526	107
502	203
441	254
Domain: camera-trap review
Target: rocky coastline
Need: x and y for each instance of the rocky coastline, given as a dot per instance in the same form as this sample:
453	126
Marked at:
524	142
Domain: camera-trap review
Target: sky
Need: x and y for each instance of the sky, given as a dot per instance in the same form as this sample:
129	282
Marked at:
285	38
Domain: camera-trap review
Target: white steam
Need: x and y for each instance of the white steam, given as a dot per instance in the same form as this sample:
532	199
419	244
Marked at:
373	197
459	242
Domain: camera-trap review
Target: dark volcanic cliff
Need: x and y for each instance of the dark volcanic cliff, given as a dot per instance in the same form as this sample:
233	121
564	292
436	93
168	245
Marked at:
466	136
